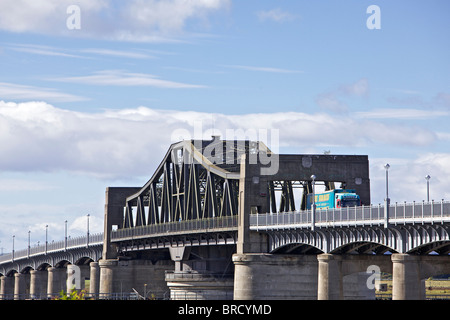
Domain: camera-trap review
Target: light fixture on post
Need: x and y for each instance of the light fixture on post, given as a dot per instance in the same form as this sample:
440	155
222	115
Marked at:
87	235
387	200
313	205
428	177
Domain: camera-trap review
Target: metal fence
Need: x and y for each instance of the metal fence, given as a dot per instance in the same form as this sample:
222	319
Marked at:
77	242
86	296
176	227
424	212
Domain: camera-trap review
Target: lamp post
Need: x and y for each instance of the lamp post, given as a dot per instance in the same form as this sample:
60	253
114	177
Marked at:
46	238
387	200
313	206
28	251
87	238
13	248
428	177
65	235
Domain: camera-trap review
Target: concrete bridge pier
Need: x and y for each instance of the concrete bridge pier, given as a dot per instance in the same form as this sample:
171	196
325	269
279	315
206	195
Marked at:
6	287
347	276
56	281
406	279
94	279
330	279
260	276
38	284
20	285
123	276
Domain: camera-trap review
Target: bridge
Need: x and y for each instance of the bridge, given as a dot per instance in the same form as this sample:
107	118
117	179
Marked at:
223	219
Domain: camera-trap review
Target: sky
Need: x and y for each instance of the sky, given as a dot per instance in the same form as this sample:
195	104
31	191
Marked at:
93	92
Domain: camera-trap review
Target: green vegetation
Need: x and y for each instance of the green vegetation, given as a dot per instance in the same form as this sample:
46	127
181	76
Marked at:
73	295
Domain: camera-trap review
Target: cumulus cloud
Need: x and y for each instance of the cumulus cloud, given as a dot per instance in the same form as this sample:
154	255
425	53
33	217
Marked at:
134	20
36	136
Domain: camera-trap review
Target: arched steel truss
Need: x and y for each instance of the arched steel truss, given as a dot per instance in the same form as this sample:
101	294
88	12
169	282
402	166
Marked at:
196	180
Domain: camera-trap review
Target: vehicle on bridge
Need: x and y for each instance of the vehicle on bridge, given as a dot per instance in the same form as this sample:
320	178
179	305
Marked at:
336	198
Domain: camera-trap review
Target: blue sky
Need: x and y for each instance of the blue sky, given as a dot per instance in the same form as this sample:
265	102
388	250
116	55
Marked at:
95	106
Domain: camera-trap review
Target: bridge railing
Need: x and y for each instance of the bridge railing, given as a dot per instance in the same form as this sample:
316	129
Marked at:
82	241
217	223
422	212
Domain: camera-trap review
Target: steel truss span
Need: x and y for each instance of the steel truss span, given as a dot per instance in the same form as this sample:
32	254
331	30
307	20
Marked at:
196	180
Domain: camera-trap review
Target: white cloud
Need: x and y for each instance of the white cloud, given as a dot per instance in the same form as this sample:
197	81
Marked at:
133	20
22	92
360	88
402	113
23	185
277	15
264	69
43	50
117	143
118	53
42	16
407	177
329	101
119	78
79	225
332	99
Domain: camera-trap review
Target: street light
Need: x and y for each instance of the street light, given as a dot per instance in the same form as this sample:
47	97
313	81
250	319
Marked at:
13	248
387	200
387	166
428	177
313	206
87	239
28	253
65	235
46	238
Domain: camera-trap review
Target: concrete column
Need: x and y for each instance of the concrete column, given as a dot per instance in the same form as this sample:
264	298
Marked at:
6	287
85	274
406	282
330	280
94	279
56	281
107	268
19	286
38	284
